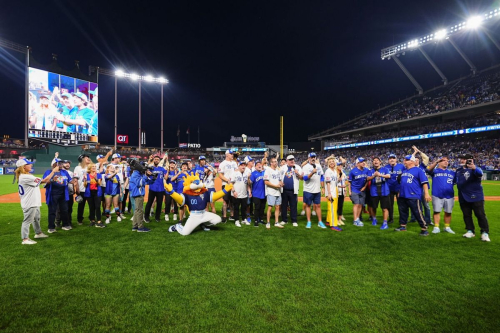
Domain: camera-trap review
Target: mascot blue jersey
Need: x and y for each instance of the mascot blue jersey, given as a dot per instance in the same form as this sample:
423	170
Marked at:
197	202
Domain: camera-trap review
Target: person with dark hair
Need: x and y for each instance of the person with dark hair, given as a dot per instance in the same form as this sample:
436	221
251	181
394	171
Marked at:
290	176
258	193
93	194
80	174
395	170
156	190
171	179
379	191
57	194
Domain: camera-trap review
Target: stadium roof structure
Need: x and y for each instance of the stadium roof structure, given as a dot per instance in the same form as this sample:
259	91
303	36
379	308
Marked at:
442	35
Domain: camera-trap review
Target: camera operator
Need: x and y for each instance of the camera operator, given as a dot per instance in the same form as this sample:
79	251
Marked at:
471	197
140	177
156	190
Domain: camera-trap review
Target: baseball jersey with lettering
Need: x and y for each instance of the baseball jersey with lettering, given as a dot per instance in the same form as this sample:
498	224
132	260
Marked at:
29	191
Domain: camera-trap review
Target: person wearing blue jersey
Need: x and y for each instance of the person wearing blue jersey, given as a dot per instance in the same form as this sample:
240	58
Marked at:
379	190
443	196
112	193
471	197
357	185
258	193
93	189
138	180
395	169
57	194
171	173
290	176
179	178
156	190
413	182
200	168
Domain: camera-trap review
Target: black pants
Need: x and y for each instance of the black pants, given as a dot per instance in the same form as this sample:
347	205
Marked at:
58	200
94	206
391	206
124	201
250	206
478	209
168	204
414	206
70	210
340	207
288	198
260	205
159	201
237	203
81	209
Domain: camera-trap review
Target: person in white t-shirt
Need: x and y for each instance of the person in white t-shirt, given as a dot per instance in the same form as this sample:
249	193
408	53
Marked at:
248	171
272	179
332	180
313	177
31	199
226	168
240	193
80	173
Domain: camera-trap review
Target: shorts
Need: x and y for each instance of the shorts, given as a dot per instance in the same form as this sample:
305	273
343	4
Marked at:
111	195
439	204
312	198
385	202
227	197
273	200
358	198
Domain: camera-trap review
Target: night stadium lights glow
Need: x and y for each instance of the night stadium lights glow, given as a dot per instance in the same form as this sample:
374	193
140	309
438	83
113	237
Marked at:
473	22
136	77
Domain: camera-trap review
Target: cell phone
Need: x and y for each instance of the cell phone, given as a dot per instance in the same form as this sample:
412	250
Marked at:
314	166
469	162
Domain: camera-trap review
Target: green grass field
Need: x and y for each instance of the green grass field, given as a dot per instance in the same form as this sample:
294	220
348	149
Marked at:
248	279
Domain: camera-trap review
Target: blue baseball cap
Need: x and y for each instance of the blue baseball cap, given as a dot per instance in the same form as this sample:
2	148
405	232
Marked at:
242	162
56	160
392	156
116	156
229	151
202	158
359	160
313	154
99	157
248	158
410	158
22	162
82	96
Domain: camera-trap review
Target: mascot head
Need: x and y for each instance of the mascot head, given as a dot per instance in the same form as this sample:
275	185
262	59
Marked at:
193	185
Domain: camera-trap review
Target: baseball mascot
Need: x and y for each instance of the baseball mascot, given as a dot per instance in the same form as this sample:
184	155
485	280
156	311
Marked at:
196	197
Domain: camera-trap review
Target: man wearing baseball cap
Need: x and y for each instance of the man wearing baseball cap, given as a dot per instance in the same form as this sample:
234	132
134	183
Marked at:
413	182
471	197
248	172
313	176
156	190
395	169
171	179
226	168
79	120
290	176
357	185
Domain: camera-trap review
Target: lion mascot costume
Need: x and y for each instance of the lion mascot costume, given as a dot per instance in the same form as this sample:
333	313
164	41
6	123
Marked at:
196	198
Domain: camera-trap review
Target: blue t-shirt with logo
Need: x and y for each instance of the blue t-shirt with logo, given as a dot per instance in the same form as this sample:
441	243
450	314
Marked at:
357	178
288	179
157	186
411	183
258	185
379	186
394	171
442	183
197	202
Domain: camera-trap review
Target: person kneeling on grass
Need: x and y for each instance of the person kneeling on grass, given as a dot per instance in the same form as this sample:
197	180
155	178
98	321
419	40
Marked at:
31	199
140	177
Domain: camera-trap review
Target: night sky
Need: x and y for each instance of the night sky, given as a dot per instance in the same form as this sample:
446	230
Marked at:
236	66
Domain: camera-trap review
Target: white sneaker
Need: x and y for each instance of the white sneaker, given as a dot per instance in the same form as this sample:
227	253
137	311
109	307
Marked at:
282	223
485	237
339	222
314	213
175	217
436	230
108	220
277	225
28	242
469	234
303	213
295	224
237	223
118	218
126	209
342	218
41	235
268	226
167	218
448	230
246	222
66	228
51	231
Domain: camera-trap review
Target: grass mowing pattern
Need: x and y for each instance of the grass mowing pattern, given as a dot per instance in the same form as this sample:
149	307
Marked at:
248	279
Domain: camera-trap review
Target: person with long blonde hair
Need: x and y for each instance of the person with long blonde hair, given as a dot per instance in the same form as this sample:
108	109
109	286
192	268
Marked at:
112	193
31	200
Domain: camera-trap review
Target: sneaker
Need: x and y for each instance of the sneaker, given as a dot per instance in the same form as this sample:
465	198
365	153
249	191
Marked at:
469	234
80	222
223	220
170	229
424	233
374	222
66	228
339	222
431	223
246	222
100	225
249	220
41	235
448	230
205	228
92	224
118	218
256	224
126	210
143	230
308	225
145	220
358	223
314	213
336	229
175	217
277	225
321	225
268	225
295	224
384	226
28	242
167	218
237	223
51	231
390	221
135	228
283	222
400	229
231	219
108	220
485	237
303	212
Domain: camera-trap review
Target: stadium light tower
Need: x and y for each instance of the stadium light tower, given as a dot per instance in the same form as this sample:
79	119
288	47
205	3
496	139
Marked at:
474	22
135	77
